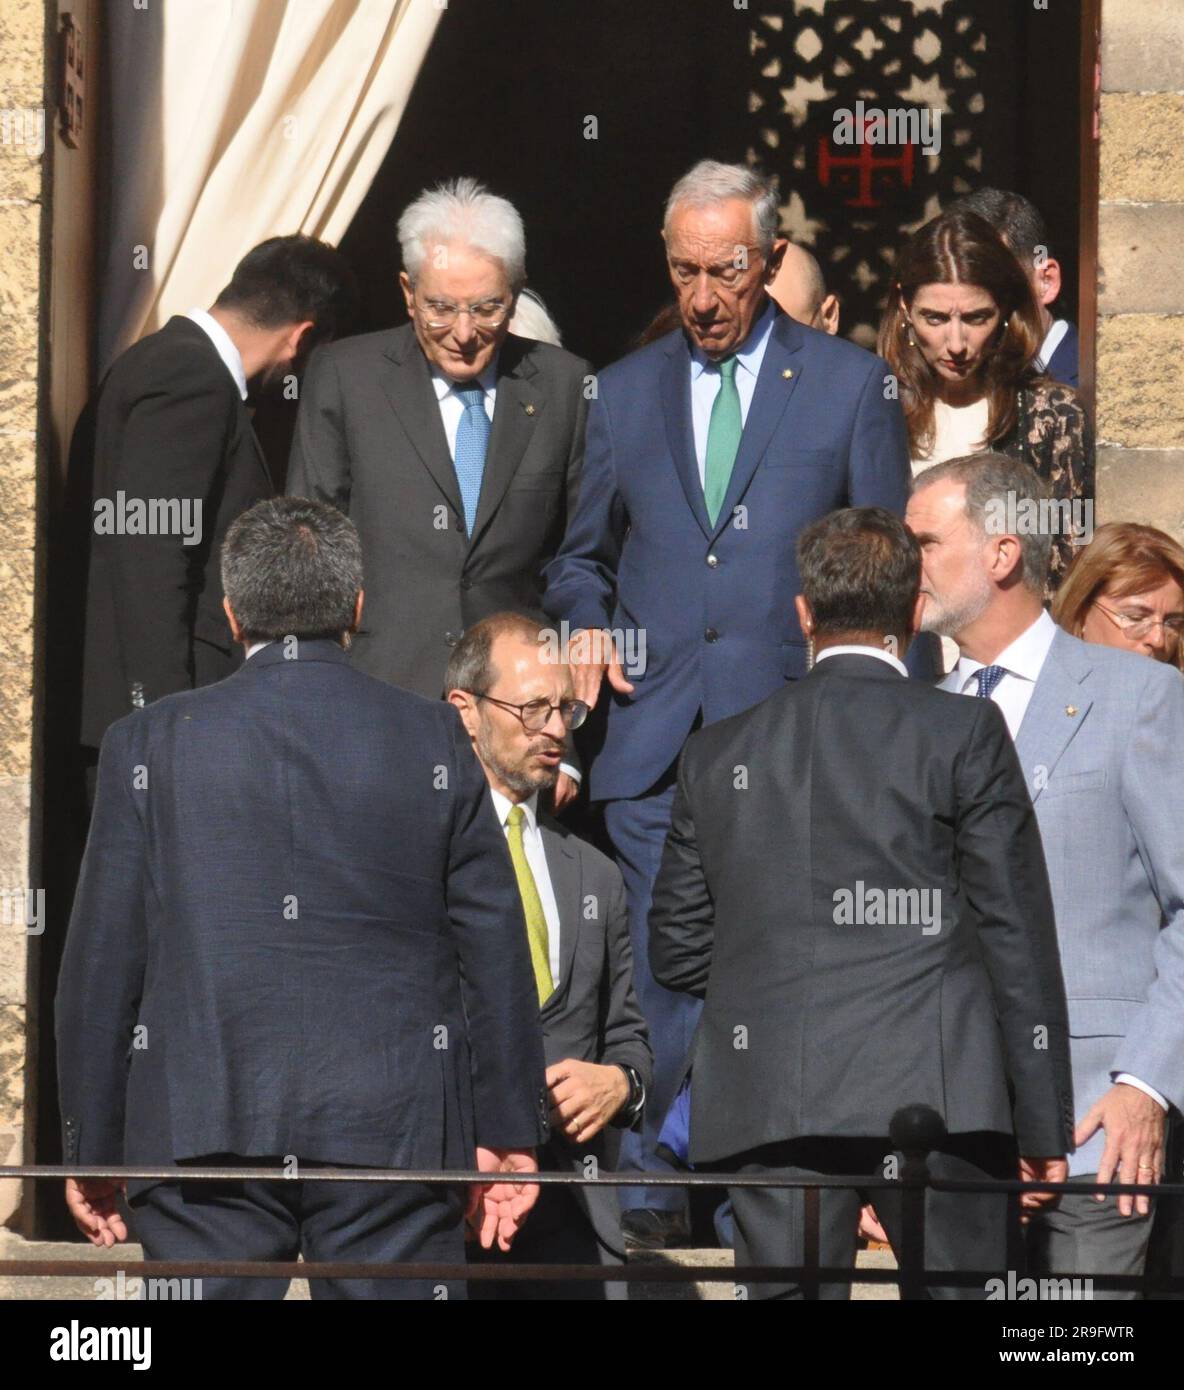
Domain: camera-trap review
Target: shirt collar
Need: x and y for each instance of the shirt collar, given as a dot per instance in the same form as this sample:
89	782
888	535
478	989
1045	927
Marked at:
1023	658
858	649
503	806
1052	341
223	345
443	384
258	647
751	352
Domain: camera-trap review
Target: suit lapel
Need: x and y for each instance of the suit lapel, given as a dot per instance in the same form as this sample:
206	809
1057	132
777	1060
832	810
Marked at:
567	885
1048	727
680	434
769	401
249	425
408	386
515	418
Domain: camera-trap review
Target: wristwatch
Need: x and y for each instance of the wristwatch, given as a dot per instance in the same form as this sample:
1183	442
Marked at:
626	1117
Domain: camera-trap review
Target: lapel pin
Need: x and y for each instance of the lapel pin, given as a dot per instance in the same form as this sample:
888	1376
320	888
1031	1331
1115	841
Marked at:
1070	710
788	373
529	409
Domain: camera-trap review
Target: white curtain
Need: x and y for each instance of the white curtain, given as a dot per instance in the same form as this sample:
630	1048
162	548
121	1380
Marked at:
235	120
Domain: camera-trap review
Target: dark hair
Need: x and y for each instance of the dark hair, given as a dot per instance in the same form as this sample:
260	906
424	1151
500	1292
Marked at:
1017	220
959	248
470	667
861	572
292	568
294	279
992	481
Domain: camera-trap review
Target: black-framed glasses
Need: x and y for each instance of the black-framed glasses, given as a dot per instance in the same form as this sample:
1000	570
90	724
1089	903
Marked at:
442	313
536	714
1137	625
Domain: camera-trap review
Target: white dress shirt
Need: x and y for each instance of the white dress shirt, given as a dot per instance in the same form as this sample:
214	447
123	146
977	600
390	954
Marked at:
1052	341
536	858
452	408
223	344
1022	663
858	649
705	381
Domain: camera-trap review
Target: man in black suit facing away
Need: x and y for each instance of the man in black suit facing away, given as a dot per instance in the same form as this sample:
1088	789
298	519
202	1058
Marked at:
175	460
356	991
854	884
453	444
515	696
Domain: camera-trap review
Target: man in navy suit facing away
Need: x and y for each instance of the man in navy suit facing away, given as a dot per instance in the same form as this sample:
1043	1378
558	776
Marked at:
298	941
708	451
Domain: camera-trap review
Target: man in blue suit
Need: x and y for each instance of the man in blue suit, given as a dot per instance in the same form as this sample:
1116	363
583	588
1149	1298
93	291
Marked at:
1098	732
298	940
708	451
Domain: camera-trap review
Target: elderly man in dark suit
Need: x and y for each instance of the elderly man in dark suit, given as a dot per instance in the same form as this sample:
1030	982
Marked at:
854	884
174	460
709	451
514	693
455	446
356	989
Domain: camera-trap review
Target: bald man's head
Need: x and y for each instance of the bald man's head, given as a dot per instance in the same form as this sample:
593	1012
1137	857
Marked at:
798	287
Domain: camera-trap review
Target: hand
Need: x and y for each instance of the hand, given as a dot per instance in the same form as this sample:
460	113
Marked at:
91	1202
585	1096
499	1209
869	1225
591	654
566	791
1134	1125
1041	1170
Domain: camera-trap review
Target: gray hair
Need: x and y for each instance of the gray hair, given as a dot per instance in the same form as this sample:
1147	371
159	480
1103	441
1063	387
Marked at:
463	210
470	667
292	568
531	320
712	182
990	480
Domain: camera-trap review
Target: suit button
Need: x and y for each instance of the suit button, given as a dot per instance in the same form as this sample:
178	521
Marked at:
713	561
711	635
451	639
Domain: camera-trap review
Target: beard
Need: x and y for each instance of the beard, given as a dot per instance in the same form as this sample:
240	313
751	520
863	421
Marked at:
517	776
949	617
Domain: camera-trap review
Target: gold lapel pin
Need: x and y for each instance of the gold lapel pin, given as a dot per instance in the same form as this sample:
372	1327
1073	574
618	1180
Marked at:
788	374
1070	710
529	409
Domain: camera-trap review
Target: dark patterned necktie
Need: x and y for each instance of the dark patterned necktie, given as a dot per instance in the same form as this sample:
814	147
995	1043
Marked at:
988	678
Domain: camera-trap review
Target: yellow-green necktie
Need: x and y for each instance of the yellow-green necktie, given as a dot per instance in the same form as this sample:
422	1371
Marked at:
532	906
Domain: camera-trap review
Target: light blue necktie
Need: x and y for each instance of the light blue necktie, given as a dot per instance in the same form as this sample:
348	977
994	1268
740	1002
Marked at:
988	678
472	439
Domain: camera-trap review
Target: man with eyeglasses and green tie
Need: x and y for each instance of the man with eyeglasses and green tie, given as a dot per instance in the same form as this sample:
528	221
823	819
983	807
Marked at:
453	445
515	698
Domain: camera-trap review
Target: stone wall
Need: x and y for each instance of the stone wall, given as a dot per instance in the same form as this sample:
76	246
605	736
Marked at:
1141	265
24	134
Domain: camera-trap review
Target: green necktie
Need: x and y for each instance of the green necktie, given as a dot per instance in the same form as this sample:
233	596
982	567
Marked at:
723	439
532	906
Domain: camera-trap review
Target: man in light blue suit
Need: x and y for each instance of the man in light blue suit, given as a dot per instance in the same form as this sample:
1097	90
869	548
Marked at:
1099	733
708	451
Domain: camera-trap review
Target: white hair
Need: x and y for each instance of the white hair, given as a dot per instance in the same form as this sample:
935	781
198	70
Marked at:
531	320
464	211
712	182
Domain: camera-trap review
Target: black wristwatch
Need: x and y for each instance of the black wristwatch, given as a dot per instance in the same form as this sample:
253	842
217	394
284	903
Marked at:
626	1117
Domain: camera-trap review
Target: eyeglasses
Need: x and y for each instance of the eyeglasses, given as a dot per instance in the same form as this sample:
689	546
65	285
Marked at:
1136	627
442	313
536	714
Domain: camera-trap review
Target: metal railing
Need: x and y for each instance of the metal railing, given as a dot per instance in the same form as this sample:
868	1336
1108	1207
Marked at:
916	1131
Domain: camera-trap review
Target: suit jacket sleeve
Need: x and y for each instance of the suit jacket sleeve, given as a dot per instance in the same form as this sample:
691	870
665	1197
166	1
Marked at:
1153	1049
102	974
318	466
879	472
1005	881
498	989
682	914
172	443
582	578
624	1037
